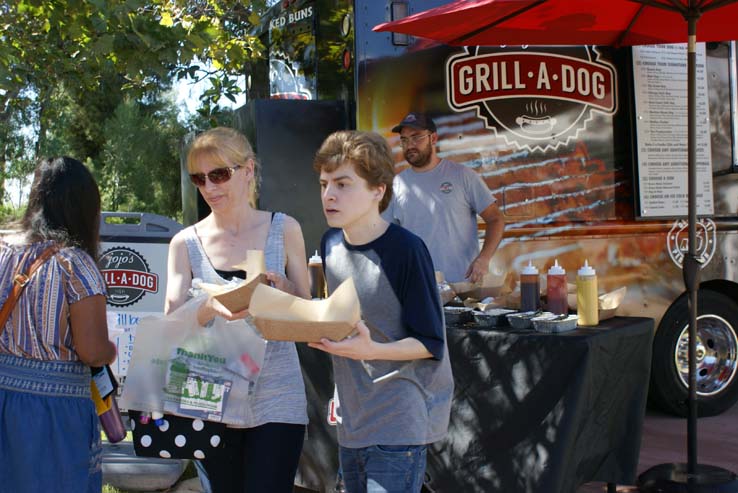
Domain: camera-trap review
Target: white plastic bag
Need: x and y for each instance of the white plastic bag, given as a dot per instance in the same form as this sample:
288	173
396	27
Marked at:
181	368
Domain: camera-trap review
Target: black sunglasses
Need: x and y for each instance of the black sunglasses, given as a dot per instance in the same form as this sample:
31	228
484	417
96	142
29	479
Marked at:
216	176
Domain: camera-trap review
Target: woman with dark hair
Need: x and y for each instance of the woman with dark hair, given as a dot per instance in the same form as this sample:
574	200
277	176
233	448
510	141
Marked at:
56	330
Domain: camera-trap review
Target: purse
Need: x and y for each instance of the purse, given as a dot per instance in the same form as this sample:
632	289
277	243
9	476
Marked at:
177	437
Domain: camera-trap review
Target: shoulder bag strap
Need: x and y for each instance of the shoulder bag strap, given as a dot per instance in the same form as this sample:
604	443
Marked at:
20	280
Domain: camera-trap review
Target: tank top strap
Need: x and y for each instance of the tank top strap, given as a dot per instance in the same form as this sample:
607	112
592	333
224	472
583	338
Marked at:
198	259
274	249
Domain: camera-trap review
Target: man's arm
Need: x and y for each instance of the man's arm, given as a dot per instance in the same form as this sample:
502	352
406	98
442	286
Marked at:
495	226
362	347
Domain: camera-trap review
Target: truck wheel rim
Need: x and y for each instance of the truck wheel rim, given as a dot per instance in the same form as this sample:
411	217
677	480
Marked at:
717	352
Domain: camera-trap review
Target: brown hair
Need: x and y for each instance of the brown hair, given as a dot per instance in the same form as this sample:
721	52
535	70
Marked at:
368	152
228	147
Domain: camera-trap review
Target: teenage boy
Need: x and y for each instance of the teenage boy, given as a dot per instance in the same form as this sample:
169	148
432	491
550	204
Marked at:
393	378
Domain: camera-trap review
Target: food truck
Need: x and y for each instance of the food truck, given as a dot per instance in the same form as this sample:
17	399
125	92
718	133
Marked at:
583	147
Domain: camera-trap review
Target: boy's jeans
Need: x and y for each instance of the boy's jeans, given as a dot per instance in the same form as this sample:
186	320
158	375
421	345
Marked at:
383	468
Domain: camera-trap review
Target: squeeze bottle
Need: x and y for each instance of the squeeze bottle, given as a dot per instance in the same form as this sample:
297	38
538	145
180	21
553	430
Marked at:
556	289
529	288
587	305
317	277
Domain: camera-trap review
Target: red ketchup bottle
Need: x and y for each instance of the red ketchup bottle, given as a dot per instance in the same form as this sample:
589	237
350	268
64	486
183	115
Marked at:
556	291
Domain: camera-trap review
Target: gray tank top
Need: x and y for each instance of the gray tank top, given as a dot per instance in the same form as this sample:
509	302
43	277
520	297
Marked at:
279	395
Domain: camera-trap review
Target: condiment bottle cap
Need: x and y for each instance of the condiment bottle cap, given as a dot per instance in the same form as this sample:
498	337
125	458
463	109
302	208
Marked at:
529	269
556	269
315	259
586	270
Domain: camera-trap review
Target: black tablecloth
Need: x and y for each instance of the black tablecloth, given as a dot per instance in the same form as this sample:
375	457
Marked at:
544	413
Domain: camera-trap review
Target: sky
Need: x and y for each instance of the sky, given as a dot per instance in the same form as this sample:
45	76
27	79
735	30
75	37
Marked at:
17	191
187	94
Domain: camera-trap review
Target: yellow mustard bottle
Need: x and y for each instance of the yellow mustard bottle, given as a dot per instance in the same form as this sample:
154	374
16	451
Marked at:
587	296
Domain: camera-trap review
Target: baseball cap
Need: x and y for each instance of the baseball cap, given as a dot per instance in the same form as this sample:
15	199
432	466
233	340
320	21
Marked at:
421	121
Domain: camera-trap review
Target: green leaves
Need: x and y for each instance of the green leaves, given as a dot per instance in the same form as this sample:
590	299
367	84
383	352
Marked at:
66	66
144	40
141	171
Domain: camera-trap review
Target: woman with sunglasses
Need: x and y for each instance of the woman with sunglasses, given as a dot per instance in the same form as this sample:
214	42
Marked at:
266	449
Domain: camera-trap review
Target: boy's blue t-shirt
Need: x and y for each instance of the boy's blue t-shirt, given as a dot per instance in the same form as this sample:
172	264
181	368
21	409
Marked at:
391	402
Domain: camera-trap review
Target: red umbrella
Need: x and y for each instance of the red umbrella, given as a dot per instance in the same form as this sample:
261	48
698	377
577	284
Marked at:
614	23
570	22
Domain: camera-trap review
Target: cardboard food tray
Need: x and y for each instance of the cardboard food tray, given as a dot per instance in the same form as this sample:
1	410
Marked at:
447	294
280	330
238	299
468	290
280	316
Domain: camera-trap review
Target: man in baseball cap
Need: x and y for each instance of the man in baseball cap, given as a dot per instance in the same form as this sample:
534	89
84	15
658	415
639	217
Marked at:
439	201
418	121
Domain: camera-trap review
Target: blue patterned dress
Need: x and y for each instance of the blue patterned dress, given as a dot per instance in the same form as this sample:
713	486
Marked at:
49	430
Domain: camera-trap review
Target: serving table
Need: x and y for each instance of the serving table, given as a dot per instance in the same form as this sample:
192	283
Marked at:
544	413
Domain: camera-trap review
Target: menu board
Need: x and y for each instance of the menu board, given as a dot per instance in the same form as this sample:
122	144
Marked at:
660	80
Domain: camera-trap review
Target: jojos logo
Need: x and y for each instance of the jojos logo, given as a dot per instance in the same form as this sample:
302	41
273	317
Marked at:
535	100
127	276
677	241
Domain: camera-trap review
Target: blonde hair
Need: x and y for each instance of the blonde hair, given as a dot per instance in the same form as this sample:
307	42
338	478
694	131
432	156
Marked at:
227	147
368	152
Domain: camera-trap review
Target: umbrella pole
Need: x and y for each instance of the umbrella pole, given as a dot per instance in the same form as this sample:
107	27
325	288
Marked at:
691	265
672	478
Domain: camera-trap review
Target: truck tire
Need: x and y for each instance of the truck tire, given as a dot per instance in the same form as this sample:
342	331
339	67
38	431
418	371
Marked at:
717	353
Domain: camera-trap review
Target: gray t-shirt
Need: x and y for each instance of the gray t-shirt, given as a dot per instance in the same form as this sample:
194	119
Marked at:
441	206
279	395
391	402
